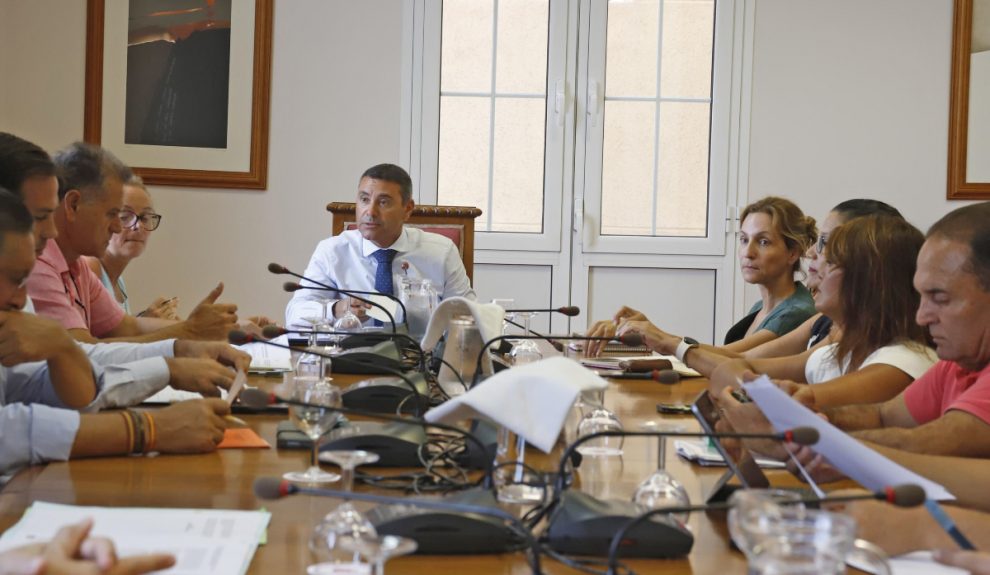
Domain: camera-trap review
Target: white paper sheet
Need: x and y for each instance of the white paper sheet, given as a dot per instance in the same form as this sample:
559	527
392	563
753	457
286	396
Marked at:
268	357
387	303
530	400
204	541
859	462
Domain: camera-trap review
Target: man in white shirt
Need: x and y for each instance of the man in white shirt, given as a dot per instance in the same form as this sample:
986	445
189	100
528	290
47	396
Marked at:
369	257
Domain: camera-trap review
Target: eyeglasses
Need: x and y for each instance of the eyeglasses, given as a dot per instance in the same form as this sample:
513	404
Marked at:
820	245
149	222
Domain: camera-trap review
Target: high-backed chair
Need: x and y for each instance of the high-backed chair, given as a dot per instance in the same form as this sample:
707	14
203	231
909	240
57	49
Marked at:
453	222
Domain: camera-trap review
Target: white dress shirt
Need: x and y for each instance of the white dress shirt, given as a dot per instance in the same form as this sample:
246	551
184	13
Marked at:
345	261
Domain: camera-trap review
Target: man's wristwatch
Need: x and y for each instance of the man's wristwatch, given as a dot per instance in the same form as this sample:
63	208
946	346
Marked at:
683	347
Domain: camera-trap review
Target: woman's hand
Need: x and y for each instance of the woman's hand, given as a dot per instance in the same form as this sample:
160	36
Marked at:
163	308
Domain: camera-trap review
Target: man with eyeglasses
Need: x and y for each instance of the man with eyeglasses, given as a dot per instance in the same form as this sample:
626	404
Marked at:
61	287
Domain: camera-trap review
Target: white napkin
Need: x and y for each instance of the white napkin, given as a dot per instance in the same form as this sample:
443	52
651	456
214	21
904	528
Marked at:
531	400
487	316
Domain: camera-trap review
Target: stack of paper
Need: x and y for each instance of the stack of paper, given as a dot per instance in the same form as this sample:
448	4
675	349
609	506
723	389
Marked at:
203	541
612	363
268	358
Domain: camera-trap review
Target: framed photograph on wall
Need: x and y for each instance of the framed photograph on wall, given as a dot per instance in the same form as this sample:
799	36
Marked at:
969	114
179	89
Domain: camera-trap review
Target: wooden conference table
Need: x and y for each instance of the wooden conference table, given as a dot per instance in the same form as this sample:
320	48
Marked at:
224	480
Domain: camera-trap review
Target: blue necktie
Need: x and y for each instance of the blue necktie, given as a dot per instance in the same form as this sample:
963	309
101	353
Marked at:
383	275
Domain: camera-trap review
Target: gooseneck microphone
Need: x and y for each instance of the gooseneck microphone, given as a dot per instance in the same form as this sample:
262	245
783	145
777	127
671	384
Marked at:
238	337
253	398
629	339
905	495
296	286
279	269
568	310
583	524
275	488
798	435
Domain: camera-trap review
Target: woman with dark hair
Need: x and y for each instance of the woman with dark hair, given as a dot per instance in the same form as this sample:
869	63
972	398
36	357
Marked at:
772	238
865	287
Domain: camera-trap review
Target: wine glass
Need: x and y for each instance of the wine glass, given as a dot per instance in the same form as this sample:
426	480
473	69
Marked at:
598	419
314	419
345	520
514	490
377	549
347	323
660	489
525	350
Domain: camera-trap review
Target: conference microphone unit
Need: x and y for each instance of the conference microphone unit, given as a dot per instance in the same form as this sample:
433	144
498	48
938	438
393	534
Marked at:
400	448
388	396
470	522
569	310
582	524
352	340
279	269
664	376
905	495
629	339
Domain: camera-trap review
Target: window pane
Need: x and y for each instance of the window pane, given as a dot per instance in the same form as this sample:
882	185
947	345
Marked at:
631	48
517	190
682	177
650	189
466	53
462	178
522	46
686	70
627	168
509	146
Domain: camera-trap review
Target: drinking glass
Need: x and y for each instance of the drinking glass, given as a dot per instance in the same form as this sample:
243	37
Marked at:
752	511
378	549
661	489
803	542
345	520
314	420
525	350
347	323
514	490
597	419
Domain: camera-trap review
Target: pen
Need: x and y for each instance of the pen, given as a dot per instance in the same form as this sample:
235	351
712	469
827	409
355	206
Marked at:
236	420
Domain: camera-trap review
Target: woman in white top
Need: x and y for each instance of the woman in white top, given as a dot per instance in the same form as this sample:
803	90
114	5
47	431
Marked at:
866	272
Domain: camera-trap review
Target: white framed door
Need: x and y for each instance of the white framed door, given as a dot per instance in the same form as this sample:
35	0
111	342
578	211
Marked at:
549	141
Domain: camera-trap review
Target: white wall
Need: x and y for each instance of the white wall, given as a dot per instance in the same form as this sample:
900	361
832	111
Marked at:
335	111
850	99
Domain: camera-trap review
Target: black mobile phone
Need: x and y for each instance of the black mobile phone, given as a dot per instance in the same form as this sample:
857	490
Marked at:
674	408
741	395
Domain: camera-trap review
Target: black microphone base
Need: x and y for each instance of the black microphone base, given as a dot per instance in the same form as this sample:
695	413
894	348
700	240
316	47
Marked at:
584	525
440	532
386	394
397	444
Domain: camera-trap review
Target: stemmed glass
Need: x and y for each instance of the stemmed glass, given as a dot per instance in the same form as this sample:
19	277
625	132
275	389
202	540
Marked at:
345	520
598	419
525	350
516	491
660	489
377	549
314	419
347	323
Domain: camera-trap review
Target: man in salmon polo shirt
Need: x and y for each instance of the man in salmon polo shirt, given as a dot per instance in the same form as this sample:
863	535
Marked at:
63	288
